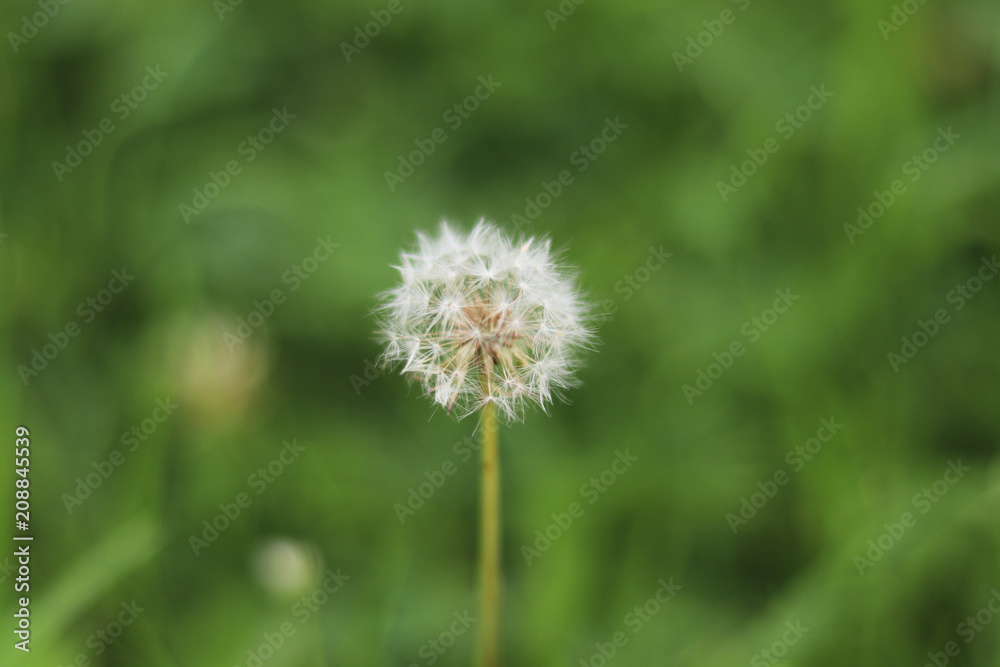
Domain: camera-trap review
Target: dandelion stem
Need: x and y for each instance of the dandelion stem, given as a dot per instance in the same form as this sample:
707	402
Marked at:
489	543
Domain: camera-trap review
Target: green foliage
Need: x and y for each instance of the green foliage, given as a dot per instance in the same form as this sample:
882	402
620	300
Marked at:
709	190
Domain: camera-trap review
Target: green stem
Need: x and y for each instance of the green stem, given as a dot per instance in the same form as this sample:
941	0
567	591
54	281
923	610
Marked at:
489	544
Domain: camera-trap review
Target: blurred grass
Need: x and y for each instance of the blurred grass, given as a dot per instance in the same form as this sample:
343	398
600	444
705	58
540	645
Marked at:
656	185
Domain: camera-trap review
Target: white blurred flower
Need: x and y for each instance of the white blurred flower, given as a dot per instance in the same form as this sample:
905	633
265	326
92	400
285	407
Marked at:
217	386
481	319
286	567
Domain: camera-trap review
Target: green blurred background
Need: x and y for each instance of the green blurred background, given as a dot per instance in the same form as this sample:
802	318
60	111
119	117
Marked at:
369	443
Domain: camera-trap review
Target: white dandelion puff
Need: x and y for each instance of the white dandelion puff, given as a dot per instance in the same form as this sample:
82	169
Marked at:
478	319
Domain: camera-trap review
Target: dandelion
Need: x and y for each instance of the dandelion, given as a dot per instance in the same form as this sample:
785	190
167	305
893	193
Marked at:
489	325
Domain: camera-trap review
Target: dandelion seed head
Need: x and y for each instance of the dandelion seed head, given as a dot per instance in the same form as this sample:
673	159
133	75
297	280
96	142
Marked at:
478	319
